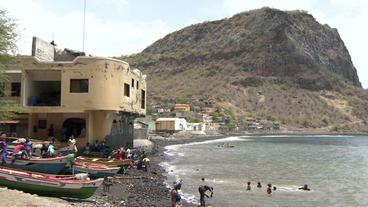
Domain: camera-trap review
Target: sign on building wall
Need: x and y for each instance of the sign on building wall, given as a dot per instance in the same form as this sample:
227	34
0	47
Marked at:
43	50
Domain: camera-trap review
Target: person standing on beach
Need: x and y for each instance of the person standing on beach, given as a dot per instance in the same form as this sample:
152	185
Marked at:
175	196
202	193
4	150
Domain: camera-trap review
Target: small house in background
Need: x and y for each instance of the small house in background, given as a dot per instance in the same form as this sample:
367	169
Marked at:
182	108
170	125
196	126
206	118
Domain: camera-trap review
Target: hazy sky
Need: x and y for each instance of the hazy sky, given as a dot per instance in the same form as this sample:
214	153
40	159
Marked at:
116	27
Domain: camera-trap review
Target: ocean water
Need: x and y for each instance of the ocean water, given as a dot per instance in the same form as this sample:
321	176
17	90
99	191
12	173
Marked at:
334	167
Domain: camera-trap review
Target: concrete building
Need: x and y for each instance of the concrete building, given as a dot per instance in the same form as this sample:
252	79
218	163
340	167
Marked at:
196	126
170	124
94	98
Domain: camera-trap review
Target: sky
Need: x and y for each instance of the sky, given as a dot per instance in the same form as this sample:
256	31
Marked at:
123	27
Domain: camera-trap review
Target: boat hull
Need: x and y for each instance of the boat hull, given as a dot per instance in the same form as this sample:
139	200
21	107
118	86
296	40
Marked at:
34	183
48	165
97	173
107	162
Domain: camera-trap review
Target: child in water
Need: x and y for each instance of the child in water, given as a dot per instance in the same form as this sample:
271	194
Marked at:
269	189
248	186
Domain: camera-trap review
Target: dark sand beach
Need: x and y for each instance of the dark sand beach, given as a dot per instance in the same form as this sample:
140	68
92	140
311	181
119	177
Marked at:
137	188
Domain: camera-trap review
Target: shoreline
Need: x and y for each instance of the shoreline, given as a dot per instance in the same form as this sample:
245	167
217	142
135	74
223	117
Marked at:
137	188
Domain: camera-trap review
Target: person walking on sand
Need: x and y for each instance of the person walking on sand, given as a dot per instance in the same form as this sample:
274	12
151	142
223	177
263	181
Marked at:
202	193
175	196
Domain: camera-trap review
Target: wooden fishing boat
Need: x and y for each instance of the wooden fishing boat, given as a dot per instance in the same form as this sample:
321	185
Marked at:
53	165
95	170
48	185
105	161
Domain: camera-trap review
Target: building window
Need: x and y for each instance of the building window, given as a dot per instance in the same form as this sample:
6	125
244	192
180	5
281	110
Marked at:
42	124
132	83
2	89
137	85
143	99
15	89
78	85
126	90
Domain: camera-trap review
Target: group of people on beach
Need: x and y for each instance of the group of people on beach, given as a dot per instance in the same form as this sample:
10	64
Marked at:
202	189
22	150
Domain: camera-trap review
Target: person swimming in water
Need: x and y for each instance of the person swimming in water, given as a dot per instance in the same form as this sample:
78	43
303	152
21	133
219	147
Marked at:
259	185
269	189
305	187
248	186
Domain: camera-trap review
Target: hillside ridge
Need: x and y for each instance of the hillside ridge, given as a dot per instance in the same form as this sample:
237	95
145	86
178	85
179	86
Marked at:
264	63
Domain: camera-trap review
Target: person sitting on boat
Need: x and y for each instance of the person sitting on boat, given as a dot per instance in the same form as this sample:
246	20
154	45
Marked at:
18	151
43	150
50	151
305	187
96	146
28	147
87	149
117	155
4	151
129	155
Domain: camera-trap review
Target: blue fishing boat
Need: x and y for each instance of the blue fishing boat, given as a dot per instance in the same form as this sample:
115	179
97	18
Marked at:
53	165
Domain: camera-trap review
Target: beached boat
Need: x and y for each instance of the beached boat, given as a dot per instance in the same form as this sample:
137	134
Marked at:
105	161
48	185
53	165
95	170
66	150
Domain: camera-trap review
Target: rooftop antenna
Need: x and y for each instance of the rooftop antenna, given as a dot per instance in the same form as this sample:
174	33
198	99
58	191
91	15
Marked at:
84	24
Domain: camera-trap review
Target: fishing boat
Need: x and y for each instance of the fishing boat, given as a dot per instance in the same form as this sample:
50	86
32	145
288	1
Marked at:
52	165
105	161
95	170
48	185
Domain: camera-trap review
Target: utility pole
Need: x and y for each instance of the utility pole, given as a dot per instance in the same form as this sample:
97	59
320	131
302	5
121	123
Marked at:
84	24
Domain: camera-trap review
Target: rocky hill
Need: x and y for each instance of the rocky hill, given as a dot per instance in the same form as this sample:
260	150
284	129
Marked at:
265	64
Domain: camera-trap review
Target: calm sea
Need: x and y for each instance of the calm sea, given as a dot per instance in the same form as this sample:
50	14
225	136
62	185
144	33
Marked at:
334	167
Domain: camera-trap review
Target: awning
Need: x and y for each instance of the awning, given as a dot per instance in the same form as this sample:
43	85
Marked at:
9	122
